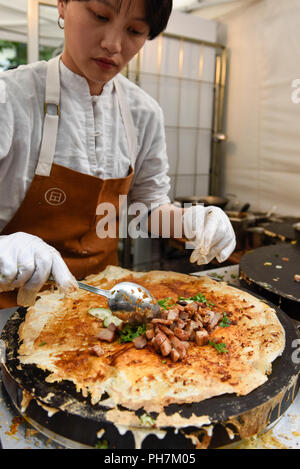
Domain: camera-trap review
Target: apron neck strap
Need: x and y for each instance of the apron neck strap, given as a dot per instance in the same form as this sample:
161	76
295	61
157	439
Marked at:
128	121
51	121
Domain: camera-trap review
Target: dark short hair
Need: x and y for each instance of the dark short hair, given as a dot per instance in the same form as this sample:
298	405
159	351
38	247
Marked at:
157	14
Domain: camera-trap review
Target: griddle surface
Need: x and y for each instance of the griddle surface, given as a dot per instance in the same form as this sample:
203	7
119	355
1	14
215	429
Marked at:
284	229
273	268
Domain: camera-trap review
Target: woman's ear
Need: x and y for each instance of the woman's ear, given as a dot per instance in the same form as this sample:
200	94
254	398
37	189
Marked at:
61	8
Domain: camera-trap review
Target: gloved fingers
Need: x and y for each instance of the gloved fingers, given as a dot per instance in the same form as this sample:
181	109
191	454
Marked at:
28	291
216	229
8	270
221	252
228	246
195	255
193	222
203	260
223	248
8	274
219	247
225	253
198	257
43	265
25	267
61	274
16	260
24	273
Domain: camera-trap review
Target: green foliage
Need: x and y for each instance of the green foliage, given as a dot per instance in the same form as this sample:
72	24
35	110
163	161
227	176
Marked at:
20	52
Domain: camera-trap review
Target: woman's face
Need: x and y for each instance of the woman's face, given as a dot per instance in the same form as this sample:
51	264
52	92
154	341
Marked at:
100	38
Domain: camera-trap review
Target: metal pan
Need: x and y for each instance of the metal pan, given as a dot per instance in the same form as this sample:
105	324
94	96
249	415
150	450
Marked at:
79	421
283	230
206	200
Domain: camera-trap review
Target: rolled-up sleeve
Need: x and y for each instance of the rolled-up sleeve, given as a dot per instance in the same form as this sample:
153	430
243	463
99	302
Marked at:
6	121
151	183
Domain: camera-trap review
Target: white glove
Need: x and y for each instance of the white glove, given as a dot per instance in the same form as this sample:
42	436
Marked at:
26	262
210	231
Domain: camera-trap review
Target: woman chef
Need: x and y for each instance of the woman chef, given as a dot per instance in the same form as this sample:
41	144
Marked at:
76	133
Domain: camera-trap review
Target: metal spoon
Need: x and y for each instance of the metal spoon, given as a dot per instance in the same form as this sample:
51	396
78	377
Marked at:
128	301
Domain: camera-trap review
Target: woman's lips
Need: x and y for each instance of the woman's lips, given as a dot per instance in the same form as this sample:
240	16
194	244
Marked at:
105	63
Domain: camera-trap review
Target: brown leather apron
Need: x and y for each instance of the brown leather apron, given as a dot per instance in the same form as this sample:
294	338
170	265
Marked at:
60	205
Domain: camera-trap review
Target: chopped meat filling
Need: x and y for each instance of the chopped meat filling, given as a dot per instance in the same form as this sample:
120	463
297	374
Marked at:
106	334
186	322
171	334
97	350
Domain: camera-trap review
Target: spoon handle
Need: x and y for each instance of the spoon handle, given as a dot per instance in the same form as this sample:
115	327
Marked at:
92	289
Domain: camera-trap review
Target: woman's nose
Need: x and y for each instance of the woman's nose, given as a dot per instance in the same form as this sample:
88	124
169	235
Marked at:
111	41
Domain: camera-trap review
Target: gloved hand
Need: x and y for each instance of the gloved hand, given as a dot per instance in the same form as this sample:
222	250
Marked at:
26	262
210	231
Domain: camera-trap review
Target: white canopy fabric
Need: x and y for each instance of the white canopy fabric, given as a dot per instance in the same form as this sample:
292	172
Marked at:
13	20
13	23
262	153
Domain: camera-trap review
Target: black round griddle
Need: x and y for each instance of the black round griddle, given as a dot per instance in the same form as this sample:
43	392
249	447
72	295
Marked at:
282	229
271	269
79	420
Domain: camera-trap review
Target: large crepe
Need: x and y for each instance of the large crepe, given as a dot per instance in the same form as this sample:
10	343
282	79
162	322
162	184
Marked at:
58	334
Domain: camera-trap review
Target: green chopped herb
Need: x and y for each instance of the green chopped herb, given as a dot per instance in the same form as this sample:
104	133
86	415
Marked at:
164	362
166	303
130	332
103	444
225	322
198	297
42	343
234	276
221	347
215	275
147	421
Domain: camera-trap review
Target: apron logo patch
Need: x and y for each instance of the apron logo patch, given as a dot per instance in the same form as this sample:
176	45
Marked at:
55	196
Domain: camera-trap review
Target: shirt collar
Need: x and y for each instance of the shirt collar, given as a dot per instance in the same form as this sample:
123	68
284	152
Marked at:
79	84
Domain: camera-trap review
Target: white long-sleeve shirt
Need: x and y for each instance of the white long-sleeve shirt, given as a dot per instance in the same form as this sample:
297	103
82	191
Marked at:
91	136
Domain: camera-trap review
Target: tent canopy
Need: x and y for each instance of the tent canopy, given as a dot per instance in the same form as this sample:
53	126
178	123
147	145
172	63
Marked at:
13	23
13	18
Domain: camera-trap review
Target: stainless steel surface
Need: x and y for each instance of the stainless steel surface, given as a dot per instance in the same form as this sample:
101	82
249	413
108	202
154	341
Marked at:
127	300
